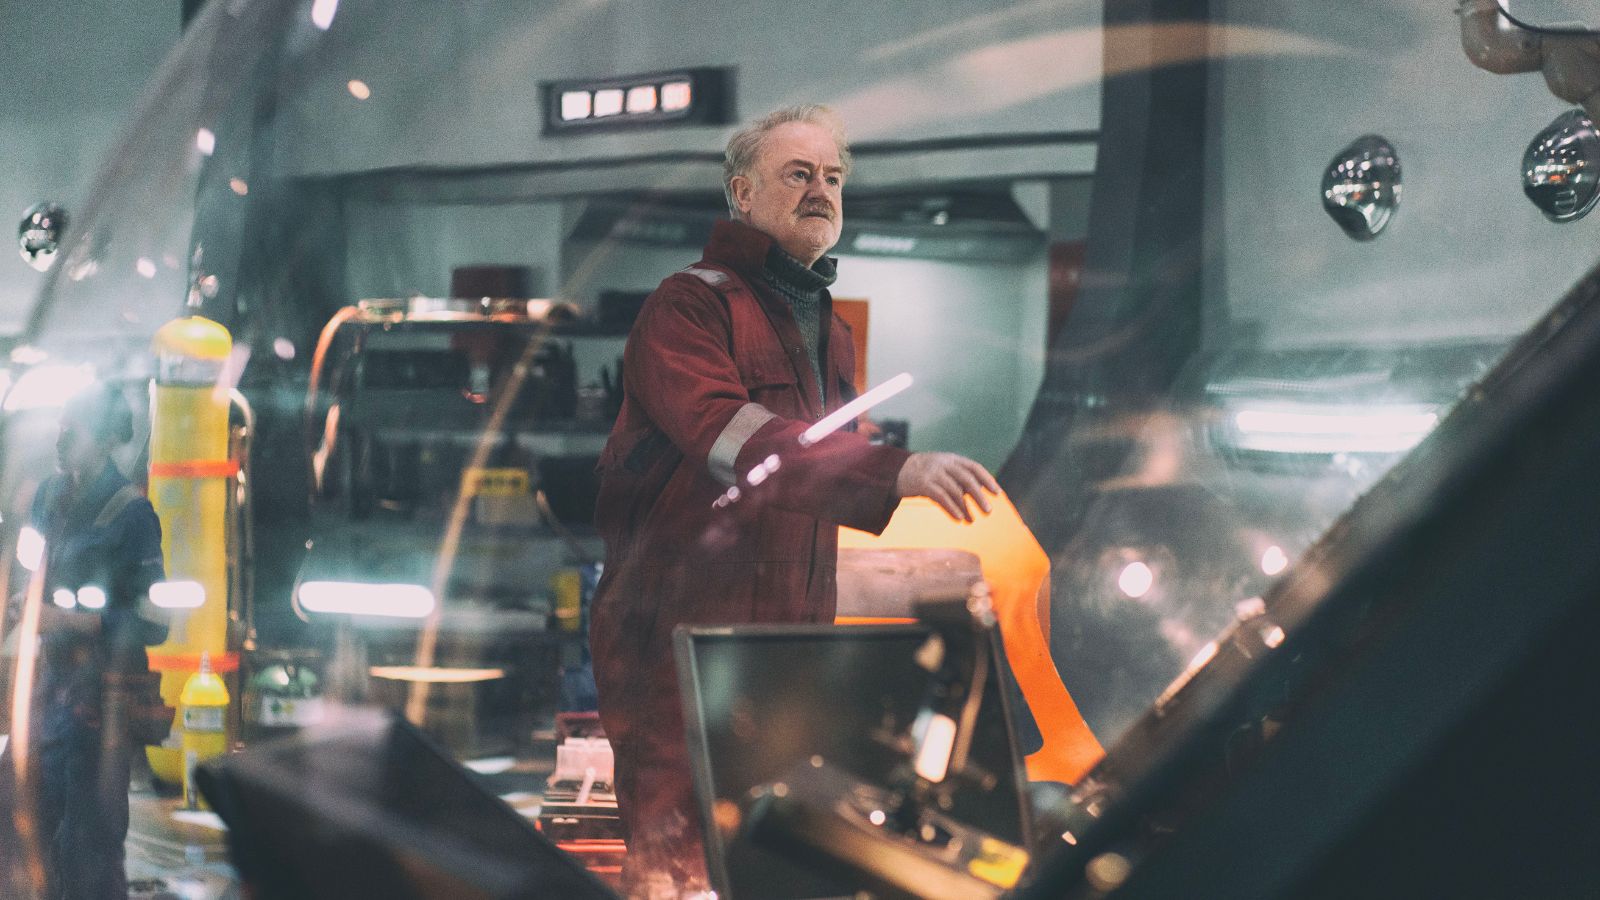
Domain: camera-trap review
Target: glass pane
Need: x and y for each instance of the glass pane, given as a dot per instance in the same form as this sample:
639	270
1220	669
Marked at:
443	440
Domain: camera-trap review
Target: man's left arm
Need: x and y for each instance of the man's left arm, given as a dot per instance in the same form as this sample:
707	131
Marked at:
841	478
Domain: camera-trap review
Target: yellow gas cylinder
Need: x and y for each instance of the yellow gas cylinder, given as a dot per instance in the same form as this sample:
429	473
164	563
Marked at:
189	475
203	707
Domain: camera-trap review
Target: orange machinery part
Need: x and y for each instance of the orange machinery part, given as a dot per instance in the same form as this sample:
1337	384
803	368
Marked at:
1018	572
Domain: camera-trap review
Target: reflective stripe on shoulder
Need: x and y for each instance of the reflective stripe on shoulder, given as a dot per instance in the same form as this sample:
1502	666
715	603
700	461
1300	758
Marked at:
709	276
725	451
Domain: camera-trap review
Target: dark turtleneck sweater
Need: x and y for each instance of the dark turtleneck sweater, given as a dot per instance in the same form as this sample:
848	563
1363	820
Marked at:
802	288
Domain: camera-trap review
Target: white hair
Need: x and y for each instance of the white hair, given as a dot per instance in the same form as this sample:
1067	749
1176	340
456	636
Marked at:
745	145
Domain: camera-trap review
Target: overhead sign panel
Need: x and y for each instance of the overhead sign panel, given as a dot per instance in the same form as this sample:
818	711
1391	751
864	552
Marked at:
701	96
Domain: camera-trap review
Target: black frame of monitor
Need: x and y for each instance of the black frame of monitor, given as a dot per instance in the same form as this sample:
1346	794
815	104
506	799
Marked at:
691	687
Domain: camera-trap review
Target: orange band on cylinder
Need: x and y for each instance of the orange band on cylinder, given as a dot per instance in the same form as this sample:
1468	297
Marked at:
195	468
190	662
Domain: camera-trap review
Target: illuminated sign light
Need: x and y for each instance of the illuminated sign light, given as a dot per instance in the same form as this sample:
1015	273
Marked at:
676	95
695	96
641	99
576	105
607	102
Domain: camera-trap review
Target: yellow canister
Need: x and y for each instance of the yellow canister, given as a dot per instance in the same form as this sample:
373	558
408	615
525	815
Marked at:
189	476
203	709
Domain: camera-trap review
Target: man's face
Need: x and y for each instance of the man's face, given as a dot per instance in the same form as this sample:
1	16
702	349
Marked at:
794	192
77	448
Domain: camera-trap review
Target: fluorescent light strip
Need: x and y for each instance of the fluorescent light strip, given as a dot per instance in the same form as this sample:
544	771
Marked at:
401	601
856	407
1332	430
435	675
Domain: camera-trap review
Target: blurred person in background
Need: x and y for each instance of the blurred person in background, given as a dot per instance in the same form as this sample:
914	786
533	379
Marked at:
102	554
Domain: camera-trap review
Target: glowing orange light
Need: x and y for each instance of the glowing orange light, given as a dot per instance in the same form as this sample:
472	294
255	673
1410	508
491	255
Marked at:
359	89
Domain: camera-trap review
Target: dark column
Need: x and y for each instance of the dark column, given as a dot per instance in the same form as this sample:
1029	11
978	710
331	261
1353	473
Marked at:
1137	318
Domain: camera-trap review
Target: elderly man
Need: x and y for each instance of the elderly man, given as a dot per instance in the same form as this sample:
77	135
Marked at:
729	362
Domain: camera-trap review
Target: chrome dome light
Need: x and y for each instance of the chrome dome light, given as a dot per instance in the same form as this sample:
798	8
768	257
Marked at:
1361	187
1561	168
39	234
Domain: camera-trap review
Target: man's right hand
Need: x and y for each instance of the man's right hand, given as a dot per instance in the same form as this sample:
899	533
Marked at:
947	479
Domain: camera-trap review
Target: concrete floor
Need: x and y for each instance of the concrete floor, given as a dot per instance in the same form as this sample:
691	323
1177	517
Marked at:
175	854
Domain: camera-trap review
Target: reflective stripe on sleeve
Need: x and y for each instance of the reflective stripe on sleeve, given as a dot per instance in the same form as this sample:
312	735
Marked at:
725	451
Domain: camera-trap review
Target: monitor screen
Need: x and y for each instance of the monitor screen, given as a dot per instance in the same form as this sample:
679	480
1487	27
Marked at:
761	699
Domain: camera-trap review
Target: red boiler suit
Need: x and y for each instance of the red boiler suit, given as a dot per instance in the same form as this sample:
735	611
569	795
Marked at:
716	383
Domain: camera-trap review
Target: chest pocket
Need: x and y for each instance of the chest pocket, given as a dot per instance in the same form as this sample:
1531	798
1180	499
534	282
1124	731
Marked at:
768	375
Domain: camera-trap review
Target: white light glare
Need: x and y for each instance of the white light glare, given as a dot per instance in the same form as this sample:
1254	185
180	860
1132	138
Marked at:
938	741
884	243
767	467
1136	580
1274	560
322	12
178	594
856	407
48	386
401	601
1205	655
1334	429
205	141
28	355
30	548
91	597
64	598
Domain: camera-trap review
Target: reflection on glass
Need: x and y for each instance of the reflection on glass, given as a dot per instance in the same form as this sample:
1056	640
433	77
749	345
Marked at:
1186	511
1361	187
1561	168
